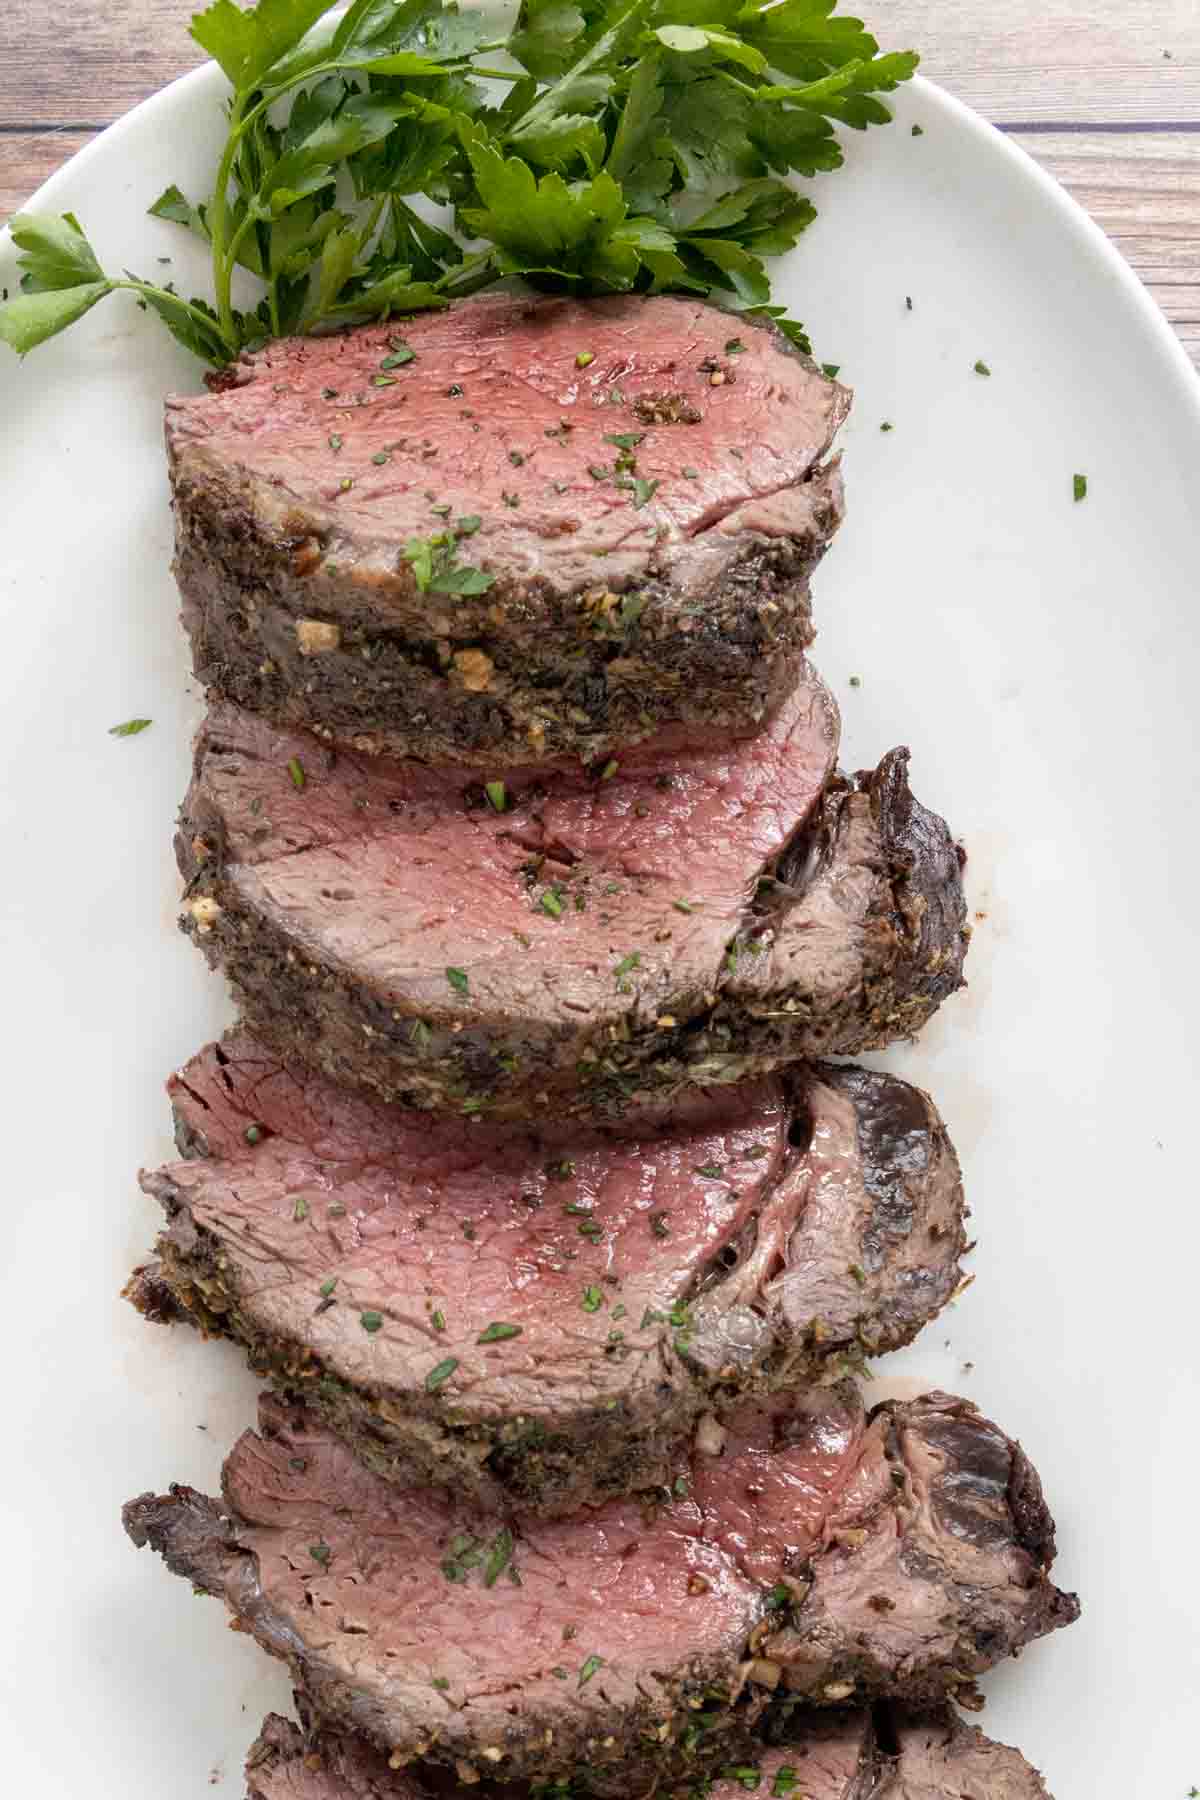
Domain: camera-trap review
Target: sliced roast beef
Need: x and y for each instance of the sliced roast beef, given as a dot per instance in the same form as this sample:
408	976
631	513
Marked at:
814	1552
515	528
562	938
587	1293
826	1756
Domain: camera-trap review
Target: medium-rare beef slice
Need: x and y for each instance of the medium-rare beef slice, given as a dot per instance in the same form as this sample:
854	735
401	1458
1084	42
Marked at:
586	1293
690	918
813	1552
826	1756
640	531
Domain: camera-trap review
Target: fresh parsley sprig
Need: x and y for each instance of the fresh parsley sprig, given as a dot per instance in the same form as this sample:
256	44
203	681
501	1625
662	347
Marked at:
600	146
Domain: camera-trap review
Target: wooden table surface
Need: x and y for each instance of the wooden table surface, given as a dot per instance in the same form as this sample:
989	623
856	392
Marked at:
1105	93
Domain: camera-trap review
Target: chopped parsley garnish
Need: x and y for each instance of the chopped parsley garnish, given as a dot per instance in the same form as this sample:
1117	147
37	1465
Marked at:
551	902
335	442
780	1597
498	1558
683	906
131	728
496	1333
327	1287
627	964
745	1774
440	1683
887	426
857	1274
643	492
295	769
590	1668
497	795
981	368
1081	488
459	980
786	1779
833	370
593	1299
584	358
371	1321
690	474
400	355
300	1209
468	525
734	347
440	1373
562	1170
321	1553
918	131
710	1171
381	457
437	570
438	1321
610	768
253	1134
659	1225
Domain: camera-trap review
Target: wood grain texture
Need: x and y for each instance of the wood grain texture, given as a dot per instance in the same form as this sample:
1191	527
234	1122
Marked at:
1104	93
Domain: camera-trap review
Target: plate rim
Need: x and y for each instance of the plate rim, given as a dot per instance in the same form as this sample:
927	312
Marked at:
1074	217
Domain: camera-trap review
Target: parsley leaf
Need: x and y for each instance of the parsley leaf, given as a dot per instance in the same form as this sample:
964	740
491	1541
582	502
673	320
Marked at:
437	570
639	148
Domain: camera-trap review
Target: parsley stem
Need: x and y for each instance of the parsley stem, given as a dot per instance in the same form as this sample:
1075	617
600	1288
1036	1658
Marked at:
204	320
218	224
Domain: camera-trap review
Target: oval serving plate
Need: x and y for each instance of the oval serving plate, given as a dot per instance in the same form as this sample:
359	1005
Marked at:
1041	657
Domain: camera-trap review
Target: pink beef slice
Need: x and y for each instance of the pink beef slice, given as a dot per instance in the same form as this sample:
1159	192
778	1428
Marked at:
674	918
826	1756
739	1239
647	524
816	1553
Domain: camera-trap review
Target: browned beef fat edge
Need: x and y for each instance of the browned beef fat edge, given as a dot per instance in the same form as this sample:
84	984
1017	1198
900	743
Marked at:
731	1245
614	607
816	1555
853	935
820	1756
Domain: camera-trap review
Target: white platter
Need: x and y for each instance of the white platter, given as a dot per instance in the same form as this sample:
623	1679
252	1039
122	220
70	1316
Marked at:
1042	659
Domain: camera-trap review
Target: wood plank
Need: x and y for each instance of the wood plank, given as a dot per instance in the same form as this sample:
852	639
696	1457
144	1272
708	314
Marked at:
1145	193
89	62
1015	60
1083	61
27	158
